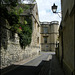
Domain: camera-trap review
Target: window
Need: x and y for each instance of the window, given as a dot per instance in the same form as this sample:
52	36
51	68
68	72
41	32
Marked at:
45	39
38	40
45	29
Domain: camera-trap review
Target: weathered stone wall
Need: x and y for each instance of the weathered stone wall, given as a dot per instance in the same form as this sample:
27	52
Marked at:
13	52
10	50
35	43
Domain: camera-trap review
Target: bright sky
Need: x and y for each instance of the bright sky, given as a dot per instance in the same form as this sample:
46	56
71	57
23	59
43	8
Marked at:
45	12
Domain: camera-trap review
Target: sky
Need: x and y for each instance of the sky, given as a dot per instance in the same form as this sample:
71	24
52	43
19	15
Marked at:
45	12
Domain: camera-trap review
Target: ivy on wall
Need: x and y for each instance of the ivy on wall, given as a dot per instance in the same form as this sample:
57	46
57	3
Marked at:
25	35
24	29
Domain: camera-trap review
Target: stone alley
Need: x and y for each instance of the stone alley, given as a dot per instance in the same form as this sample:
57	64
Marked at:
37	37
44	64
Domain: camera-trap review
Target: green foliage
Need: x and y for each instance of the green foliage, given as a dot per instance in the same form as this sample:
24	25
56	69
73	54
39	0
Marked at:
27	7
24	30
20	10
13	18
3	12
25	35
24	40
25	22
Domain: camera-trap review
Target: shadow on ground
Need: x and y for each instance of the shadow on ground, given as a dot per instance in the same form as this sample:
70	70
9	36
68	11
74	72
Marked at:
51	67
26	70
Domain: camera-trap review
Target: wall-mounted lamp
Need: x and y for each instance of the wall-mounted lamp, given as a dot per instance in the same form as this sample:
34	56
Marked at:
54	9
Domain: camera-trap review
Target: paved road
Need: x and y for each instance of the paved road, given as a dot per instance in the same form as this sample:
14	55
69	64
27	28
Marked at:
32	67
38	60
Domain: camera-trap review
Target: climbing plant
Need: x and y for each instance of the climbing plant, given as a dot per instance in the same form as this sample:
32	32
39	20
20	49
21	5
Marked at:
24	29
25	35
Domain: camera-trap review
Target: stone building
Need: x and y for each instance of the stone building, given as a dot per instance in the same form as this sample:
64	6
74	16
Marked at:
49	35
66	37
10	50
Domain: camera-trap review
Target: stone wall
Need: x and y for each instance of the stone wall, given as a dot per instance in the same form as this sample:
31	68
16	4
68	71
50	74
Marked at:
67	39
13	52
10	50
